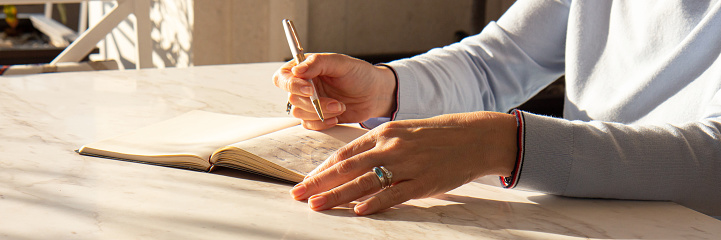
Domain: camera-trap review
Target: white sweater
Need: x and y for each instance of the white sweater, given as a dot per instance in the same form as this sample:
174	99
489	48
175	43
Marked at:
642	112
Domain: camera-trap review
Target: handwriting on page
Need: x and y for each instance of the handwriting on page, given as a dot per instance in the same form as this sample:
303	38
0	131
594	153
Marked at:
305	148
294	148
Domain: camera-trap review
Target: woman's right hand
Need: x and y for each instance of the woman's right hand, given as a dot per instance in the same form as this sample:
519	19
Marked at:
351	90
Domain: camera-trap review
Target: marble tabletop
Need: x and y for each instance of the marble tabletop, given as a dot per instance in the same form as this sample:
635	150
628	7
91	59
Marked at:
47	191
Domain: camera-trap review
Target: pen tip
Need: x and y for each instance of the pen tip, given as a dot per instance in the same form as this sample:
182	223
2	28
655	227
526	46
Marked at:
316	105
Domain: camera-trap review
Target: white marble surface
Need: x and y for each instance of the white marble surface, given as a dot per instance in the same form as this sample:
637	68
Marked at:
49	192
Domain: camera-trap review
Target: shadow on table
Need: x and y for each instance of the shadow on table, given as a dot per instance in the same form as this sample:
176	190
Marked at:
586	218
230	172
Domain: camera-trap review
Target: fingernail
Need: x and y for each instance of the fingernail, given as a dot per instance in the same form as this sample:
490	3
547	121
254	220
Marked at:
361	208
334	107
317	201
306	90
298	190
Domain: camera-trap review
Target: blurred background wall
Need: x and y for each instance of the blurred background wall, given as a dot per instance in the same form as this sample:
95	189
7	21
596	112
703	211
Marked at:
202	32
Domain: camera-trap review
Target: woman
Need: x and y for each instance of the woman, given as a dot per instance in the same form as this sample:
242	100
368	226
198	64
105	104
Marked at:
642	115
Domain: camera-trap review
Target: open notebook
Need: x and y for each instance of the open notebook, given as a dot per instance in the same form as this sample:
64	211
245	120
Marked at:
199	140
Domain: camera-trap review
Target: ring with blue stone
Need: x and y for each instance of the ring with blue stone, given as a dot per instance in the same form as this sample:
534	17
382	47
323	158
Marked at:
384	175
381	176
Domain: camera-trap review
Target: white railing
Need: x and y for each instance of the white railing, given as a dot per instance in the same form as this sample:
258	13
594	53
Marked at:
85	43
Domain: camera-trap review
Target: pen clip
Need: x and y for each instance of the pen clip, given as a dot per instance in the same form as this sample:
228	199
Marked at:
295	36
293	41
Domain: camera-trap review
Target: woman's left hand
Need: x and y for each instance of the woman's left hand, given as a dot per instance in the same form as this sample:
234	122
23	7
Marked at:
426	157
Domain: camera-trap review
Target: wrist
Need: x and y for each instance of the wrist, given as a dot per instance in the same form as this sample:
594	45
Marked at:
387	98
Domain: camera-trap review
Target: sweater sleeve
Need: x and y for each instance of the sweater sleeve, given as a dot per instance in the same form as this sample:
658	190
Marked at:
496	70
679	163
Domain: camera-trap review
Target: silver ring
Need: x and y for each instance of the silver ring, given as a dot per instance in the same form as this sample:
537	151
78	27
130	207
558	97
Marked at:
388	176
381	176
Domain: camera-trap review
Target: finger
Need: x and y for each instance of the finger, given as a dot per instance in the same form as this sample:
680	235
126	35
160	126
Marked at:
281	76
353	148
330	107
325	64
304	103
284	79
389	197
361	186
334	172
319	125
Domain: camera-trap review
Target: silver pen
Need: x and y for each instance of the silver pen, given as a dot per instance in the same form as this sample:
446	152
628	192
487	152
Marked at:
299	57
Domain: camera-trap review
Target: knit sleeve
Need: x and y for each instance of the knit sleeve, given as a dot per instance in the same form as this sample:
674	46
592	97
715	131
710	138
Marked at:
680	163
496	70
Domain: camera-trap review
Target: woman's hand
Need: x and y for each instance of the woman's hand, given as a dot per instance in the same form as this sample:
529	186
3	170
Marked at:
426	157
351	90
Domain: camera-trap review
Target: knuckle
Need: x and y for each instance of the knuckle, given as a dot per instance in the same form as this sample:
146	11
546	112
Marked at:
346	166
394	143
295	100
386	130
281	78
390	136
344	152
395	194
335	158
391	144
312	183
287	84
366	183
315	57
391	196
276	78
334	195
383	127
391	125
296	112
331	161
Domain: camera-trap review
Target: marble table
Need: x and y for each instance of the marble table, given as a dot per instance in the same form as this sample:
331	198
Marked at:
47	191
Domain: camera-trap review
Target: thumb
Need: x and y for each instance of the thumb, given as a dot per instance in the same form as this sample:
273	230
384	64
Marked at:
324	64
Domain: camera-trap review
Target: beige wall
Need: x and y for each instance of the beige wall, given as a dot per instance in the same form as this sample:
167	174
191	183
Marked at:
241	31
203	32
252	30
381	26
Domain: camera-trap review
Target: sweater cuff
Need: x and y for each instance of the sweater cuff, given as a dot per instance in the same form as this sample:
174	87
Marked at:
512	181
547	154
408	95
